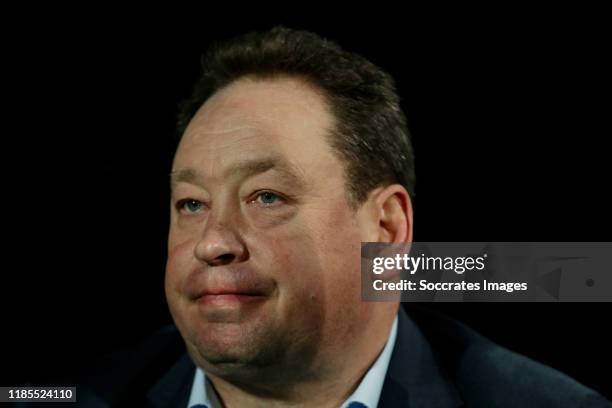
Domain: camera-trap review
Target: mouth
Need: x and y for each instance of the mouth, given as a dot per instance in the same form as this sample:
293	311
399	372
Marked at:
221	288
229	297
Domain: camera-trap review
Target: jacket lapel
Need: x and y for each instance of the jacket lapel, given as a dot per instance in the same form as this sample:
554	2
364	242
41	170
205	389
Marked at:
174	388
414	379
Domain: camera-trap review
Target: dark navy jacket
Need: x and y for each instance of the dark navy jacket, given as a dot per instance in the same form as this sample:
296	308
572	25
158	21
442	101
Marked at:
436	362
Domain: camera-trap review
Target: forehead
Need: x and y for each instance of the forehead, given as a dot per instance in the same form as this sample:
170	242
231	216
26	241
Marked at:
253	117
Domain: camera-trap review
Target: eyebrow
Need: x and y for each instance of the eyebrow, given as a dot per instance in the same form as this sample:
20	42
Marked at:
243	170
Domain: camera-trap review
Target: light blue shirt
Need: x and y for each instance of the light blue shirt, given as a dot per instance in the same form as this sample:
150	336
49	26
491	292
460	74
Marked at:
367	393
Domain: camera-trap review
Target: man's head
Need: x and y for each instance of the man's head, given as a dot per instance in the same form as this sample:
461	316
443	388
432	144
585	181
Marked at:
370	135
292	153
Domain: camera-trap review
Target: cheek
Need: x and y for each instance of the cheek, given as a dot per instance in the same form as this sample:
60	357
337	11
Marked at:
178	264
319	255
289	255
340	249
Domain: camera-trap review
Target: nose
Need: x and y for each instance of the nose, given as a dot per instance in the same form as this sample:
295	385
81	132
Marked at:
219	245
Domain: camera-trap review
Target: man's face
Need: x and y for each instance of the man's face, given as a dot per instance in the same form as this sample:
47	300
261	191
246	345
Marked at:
264	249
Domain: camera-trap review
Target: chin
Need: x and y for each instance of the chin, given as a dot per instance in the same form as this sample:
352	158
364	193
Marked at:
220	343
225	356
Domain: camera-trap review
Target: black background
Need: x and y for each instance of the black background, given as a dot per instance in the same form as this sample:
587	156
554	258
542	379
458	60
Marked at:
503	115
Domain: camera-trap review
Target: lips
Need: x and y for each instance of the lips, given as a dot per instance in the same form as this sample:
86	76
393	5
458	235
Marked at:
230	291
229	297
228	286
212	291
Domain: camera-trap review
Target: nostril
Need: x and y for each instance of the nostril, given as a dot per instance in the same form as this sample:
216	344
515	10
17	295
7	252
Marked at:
223	260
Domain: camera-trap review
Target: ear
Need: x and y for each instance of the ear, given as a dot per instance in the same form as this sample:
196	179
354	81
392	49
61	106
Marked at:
394	209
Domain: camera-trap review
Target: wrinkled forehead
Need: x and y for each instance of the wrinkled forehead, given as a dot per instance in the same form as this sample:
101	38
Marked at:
284	103
251	117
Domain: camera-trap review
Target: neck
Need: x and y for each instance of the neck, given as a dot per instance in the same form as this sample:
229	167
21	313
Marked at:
329	385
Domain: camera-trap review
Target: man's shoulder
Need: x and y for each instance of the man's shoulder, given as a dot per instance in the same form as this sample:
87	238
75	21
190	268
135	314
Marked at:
125	377
487	374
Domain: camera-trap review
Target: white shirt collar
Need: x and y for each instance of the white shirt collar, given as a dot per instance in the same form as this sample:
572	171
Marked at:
367	393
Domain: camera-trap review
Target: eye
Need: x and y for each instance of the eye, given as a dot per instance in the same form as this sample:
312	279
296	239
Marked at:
190	206
267	198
